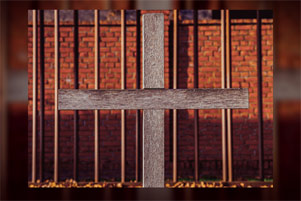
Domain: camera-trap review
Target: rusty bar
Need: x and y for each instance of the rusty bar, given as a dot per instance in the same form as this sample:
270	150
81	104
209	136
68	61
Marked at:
56	86
259	98
228	82
96	113
34	91
223	84
123	86
42	63
75	117
137	137
196	83
175	63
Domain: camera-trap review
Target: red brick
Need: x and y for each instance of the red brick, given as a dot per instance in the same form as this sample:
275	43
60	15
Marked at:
243	75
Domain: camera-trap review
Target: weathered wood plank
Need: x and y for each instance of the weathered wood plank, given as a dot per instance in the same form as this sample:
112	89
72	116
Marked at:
153	50
153	148
153	120
74	99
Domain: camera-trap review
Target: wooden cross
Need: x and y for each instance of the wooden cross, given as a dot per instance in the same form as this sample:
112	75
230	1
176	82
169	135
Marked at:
153	99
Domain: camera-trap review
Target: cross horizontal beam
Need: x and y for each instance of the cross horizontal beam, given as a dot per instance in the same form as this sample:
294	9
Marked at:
75	99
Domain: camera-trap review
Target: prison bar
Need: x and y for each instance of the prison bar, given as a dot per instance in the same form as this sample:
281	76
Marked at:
137	137
123	86
259	98
96	113
226	80
195	84
34	91
75	116
223	84
42	69
56	86
228	85
175	81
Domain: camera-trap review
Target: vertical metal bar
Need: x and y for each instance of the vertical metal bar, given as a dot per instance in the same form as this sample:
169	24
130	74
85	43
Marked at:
123	86
259	98
137	139
41	93
223	78
34	91
96	113
75	117
196	83
56	86
229	112
175	81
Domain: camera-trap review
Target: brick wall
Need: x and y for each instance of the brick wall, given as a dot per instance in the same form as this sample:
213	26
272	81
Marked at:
244	74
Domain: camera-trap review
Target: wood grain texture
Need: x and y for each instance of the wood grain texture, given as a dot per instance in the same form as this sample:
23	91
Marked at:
75	99
153	50
153	149
153	120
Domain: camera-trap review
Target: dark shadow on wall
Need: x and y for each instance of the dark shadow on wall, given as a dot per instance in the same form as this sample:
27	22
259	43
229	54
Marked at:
185	124
209	162
247	165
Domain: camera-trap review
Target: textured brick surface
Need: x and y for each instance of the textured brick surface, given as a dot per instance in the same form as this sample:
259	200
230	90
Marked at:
245	154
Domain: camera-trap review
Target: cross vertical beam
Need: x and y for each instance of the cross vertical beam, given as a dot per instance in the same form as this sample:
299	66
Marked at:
153	120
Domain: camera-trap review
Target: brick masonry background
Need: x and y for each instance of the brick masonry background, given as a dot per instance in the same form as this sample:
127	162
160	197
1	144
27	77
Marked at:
244	74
